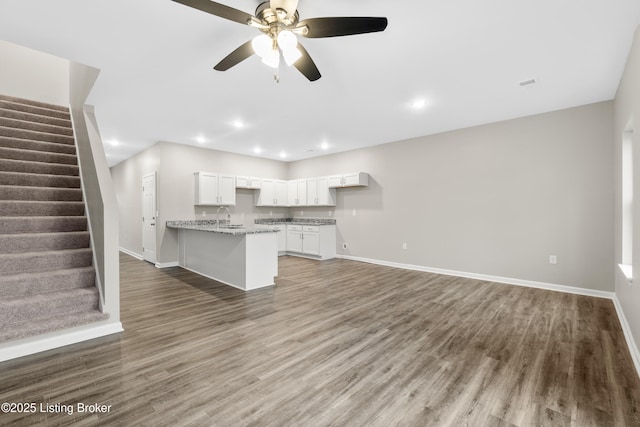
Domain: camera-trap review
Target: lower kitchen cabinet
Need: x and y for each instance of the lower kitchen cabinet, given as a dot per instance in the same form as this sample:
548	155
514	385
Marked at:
313	241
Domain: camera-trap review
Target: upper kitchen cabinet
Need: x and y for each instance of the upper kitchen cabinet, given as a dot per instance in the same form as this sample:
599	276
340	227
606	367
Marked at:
215	189
273	192
249	182
319	193
297	192
356	179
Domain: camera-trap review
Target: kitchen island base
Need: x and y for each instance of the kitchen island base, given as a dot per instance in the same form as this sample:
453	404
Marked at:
245	261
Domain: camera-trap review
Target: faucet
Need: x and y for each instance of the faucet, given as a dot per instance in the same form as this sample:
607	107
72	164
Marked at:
218	215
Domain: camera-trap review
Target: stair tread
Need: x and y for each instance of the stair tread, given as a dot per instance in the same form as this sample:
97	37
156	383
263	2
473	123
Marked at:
41	253
50	272
33	152
32	117
52	324
42	146
34	103
58	295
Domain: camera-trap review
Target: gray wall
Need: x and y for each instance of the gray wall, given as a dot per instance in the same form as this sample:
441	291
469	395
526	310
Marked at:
175	165
627	117
496	199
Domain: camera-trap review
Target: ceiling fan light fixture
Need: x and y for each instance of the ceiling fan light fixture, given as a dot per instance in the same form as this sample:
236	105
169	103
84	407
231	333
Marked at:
262	45
287	40
272	59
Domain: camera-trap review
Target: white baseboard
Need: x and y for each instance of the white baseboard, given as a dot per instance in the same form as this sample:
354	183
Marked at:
167	264
33	345
128	252
631	343
488	278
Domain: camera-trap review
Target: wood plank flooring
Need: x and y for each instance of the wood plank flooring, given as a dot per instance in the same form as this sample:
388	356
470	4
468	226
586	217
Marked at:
338	343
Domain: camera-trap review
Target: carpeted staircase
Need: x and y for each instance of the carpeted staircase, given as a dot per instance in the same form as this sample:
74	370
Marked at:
47	281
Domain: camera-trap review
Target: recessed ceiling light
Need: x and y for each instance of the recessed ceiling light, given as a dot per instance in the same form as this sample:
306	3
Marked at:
283	155
238	124
324	145
257	150
113	142
201	139
419	103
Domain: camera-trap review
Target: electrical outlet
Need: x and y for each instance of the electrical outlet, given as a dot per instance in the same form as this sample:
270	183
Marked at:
270	213
344	246
404	246
354	212
204	213
301	213
330	213
553	259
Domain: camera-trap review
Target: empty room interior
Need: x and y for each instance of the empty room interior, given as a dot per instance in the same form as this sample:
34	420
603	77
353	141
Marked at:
319	213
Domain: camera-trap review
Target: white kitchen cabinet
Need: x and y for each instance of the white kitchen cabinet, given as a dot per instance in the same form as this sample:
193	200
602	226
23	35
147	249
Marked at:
248	182
214	189
318	242
294	238
319	193
356	179
297	192
273	192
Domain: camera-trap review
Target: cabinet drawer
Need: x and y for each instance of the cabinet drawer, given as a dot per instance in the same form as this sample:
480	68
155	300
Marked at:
313	228
294	227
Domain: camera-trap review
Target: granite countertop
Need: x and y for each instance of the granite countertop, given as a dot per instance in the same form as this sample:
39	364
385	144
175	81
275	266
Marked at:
211	225
296	221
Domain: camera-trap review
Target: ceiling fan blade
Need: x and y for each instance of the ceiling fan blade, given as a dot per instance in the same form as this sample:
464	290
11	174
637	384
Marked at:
344	26
235	57
306	65
289	5
218	9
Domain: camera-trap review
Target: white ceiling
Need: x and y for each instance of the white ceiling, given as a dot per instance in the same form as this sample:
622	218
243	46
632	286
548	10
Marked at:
464	57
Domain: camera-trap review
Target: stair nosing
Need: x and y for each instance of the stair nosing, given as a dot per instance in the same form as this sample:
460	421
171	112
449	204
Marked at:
40	163
34	103
39	132
34	114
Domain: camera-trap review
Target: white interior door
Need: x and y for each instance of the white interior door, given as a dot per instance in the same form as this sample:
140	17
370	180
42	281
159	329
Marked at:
149	214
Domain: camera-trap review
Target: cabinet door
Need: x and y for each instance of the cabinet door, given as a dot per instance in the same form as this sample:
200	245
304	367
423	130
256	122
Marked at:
282	237
242	182
226	190
294	241
326	195
206	188
255	183
281	193
311	243
302	192
312	192
267	194
292	193
335	181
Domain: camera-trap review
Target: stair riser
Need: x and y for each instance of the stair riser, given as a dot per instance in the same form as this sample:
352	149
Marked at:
20	243
40	194
30	312
33	180
19	208
26	144
41	262
38	168
37	156
36	136
24	116
37	127
42	224
26	285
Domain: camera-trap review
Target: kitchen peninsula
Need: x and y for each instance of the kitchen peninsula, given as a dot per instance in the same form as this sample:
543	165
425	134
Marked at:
246	258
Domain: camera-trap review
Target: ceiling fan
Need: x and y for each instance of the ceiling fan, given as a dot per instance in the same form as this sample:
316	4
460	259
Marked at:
279	22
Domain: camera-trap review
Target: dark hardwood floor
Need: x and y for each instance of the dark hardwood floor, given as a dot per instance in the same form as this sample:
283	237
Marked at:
338	343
